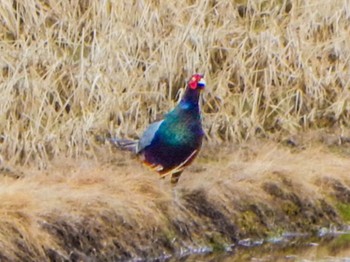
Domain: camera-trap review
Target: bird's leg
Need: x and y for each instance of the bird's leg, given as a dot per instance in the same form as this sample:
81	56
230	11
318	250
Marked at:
174	179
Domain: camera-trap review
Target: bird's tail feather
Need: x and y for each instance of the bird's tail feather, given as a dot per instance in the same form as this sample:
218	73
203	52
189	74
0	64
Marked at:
124	144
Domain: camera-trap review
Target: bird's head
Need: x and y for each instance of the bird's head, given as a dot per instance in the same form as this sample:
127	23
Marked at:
196	82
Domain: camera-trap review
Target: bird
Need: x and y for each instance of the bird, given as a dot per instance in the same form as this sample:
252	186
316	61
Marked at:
168	146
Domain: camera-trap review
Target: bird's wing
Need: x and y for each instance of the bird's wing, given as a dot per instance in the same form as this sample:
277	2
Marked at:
179	168
148	136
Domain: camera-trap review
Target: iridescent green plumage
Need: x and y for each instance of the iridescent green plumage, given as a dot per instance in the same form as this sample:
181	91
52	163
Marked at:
171	144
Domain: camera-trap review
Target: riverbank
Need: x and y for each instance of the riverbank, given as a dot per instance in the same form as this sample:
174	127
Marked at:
112	208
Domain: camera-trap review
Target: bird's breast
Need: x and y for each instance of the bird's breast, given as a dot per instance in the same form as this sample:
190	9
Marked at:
181	134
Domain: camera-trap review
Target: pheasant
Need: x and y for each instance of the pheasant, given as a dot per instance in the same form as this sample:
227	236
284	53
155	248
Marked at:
169	145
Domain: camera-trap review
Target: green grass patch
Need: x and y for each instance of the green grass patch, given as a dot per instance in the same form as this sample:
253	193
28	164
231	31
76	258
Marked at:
344	210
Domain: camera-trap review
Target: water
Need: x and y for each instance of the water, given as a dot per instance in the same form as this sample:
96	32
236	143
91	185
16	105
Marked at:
326	246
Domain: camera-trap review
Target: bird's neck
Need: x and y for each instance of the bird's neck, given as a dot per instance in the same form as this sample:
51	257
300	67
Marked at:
190	99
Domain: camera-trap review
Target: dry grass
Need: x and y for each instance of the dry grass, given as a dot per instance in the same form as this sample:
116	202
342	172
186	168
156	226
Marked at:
71	70
74	70
116	211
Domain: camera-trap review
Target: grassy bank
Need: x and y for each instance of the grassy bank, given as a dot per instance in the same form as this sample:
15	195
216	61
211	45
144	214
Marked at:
112	209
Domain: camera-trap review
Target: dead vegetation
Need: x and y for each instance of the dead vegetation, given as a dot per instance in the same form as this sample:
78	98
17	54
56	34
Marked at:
71	71
93	210
74	71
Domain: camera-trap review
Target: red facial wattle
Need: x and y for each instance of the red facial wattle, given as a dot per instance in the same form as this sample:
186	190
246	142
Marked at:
195	79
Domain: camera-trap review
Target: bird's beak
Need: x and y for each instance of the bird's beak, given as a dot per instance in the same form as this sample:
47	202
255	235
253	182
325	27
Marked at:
201	83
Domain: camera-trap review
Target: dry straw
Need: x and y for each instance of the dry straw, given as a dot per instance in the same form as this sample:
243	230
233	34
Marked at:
72	70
